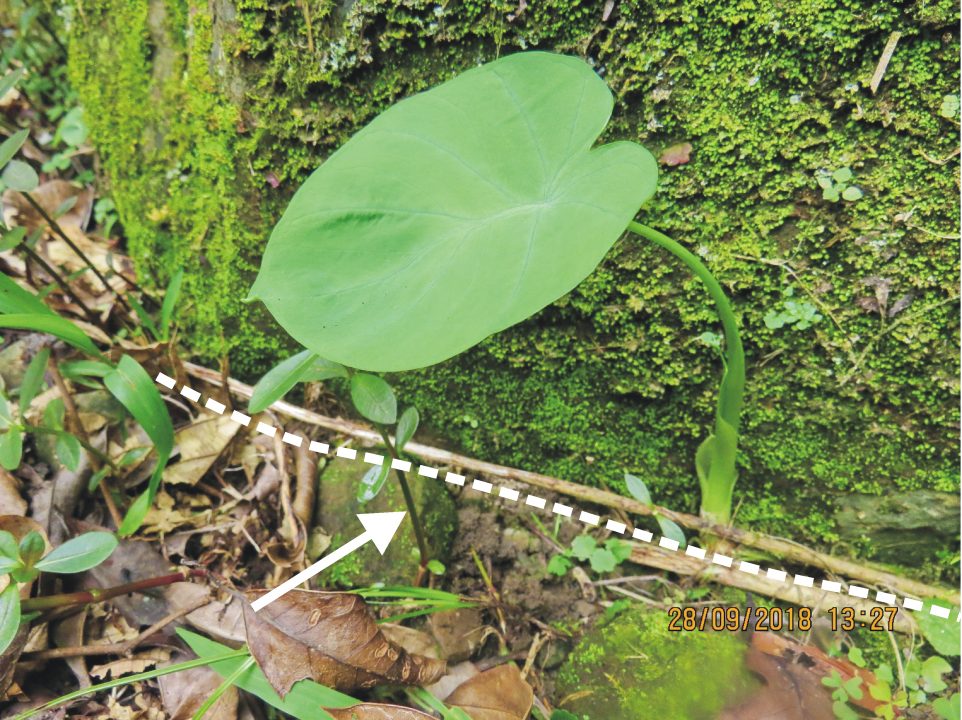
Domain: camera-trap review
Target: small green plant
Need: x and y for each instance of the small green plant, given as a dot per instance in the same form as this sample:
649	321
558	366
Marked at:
70	135
462	211
639	491
22	562
950	106
837	185
601	558
799	314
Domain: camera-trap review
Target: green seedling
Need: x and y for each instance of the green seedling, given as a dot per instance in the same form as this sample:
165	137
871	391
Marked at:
837	185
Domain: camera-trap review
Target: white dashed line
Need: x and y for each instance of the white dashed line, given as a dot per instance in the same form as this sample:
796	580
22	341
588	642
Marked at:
558	508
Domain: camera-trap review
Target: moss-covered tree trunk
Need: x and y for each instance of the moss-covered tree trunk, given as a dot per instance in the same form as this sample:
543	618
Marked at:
208	115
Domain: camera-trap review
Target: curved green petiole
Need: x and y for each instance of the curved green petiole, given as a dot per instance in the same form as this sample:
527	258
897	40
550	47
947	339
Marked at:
715	459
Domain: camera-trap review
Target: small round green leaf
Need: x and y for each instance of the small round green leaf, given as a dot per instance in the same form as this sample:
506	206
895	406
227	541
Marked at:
373	398
9	615
69	451
11	448
852	193
17	175
842	175
78	554
406	427
456	213
32	547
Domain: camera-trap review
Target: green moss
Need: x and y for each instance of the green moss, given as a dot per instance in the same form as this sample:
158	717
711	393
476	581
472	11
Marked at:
633	661
198	111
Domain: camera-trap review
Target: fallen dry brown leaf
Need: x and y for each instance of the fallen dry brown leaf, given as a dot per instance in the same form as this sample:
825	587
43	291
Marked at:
11	501
184	692
496	694
200	444
371	711
331	638
136	664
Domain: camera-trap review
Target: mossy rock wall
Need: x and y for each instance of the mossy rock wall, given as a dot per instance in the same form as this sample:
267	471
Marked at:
208	115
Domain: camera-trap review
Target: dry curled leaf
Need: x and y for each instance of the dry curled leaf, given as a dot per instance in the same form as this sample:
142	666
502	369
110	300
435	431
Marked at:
496	694
371	711
200	443
184	692
331	638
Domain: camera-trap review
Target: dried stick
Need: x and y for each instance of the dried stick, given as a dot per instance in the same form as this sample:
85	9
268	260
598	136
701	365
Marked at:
786	549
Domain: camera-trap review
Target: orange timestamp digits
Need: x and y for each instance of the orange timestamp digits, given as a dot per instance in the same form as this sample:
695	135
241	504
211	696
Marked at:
733	618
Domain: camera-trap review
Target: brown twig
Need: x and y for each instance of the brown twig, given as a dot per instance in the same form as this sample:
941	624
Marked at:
55	226
95	595
304	494
781	547
120	648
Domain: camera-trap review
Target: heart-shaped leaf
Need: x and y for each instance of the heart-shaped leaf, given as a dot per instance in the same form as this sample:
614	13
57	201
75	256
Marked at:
454	214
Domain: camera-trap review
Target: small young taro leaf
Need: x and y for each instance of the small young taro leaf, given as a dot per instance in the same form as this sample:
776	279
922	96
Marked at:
11	448
638	489
10	146
454	214
33	379
69	451
372	482
373	398
279	380
305	700
407	425
19	176
78	554
135	390
9	615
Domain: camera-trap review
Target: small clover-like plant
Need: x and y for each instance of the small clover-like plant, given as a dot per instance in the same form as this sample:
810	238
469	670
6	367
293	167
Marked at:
800	314
23	561
461	211
584	548
837	185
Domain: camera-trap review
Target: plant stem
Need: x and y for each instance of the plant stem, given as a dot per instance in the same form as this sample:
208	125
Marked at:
61	283
729	408
82	597
83	443
73	246
718	479
127	679
409	501
223	687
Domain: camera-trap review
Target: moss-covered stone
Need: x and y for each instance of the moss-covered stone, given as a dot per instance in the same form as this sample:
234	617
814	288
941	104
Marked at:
337	509
633	666
209	115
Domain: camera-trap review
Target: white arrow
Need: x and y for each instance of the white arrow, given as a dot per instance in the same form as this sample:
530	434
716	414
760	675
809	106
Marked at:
379	528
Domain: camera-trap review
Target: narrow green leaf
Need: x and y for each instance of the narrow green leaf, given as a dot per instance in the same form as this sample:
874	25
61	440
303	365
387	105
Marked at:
85	368
305	700
20	176
14	299
406	427
135	390
10	80
9	615
716	498
279	380
53	414
325	369
69	451
11	145
11	448
52	325
372	483
703	462
373	398
94	482
78	554
144	317
9	564
638	489
6	415
33	379
170	302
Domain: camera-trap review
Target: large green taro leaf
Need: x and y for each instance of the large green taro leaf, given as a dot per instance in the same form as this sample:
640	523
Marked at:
454	214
